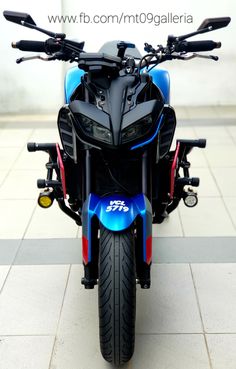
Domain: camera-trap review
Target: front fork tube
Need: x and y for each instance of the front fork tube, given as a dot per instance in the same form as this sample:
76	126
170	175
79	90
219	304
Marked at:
143	268
146	176
87	173
90	268
87	187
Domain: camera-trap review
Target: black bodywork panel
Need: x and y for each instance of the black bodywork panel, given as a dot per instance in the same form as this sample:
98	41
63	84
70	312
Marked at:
115	103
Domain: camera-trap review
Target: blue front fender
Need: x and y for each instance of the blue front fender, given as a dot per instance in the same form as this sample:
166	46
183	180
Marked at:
116	213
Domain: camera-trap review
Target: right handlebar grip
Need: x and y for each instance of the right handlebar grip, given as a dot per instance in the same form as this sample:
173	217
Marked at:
26	45
195	46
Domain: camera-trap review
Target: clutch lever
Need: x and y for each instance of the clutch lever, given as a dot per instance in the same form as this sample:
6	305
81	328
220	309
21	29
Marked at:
27	58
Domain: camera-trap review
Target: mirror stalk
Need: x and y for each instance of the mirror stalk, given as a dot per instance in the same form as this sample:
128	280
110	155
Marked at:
184	37
48	33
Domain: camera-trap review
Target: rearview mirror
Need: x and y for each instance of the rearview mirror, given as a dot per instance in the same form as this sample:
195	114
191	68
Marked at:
18	18
215	23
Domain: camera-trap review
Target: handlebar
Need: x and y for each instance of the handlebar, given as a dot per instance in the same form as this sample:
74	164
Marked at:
196	46
68	50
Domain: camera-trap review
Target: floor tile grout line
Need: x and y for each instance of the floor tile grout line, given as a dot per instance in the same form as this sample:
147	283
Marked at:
230	134
11	265
223	198
19	199
183	333
5	177
33	132
201	317
22	239
29	221
218	188
26	335
30	129
137	334
20	152
215	166
181	222
197	299
59	318
5	280
11	167
16	253
170	334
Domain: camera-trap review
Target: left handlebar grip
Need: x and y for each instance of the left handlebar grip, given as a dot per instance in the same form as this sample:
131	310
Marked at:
26	45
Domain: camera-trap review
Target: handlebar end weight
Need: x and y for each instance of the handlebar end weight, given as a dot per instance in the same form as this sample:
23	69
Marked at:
202	143
41	183
31	146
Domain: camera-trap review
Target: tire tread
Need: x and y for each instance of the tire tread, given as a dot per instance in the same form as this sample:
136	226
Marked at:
117	295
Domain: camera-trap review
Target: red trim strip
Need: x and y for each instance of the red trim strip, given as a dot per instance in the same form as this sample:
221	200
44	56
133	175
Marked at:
62	170
85	249
173	171
149	249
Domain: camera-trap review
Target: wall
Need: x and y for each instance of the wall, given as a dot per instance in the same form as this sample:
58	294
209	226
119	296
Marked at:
38	87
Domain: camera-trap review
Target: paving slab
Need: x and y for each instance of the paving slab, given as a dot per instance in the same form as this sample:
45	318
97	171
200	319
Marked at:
25	352
209	218
151	351
222	350
15	216
31	299
51	223
170	305
216	289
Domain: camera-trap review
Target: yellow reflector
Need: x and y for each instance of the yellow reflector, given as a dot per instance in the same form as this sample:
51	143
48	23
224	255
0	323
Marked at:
44	201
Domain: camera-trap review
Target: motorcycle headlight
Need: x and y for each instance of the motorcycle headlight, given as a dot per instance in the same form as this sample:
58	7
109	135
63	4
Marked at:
138	129
95	130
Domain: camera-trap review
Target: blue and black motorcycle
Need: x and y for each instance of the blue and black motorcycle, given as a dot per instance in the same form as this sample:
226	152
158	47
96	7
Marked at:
115	174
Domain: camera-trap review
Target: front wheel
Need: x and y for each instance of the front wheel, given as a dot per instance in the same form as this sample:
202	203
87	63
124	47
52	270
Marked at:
117	295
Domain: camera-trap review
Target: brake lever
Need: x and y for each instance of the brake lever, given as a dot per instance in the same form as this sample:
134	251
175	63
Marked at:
27	58
212	57
195	55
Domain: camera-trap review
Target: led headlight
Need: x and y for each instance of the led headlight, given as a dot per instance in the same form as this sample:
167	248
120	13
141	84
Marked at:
138	129
95	130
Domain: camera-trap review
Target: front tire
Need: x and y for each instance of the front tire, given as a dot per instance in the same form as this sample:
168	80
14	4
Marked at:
117	295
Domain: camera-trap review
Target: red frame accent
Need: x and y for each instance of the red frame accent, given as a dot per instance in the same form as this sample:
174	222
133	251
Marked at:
149	249
62	170
85	249
172	172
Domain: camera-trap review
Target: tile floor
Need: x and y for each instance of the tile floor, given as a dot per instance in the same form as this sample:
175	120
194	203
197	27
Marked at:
186	320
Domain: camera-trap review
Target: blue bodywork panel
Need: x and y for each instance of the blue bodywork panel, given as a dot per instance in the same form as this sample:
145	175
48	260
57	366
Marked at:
117	213
72	81
160	78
